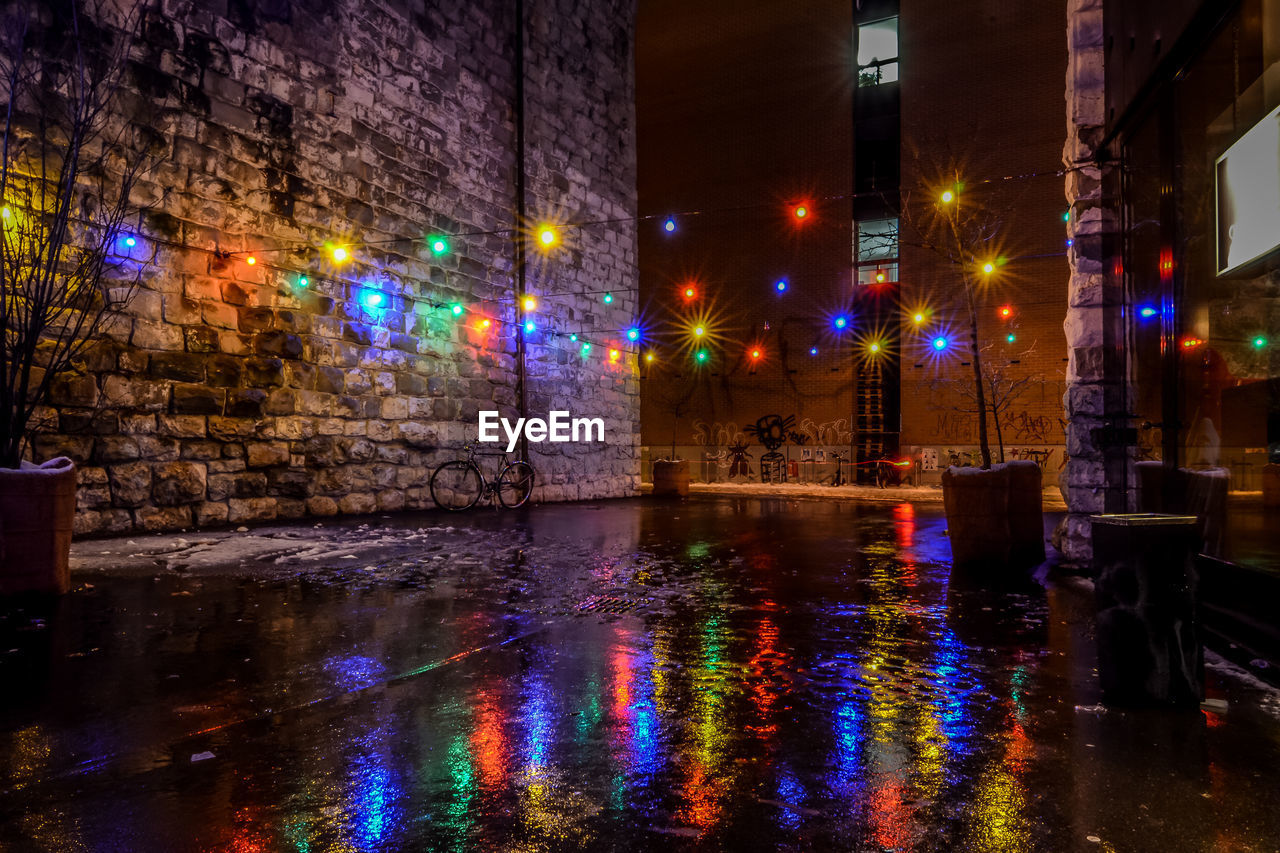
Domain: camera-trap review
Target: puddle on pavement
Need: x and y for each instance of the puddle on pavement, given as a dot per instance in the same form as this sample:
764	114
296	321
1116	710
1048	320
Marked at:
720	674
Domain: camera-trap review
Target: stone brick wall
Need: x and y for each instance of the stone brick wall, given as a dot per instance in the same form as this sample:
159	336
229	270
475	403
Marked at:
1095	377
232	392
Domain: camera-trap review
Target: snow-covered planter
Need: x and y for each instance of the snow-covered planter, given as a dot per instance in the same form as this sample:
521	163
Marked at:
671	477
37	509
995	516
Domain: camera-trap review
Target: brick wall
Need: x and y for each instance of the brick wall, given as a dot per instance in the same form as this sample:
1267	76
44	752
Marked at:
982	88
982	83
230	392
743	110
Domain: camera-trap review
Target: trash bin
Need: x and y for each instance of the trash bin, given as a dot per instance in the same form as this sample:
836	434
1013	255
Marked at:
1149	647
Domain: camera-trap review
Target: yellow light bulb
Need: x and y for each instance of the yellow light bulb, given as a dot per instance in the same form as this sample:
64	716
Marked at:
251	260
530	304
339	254
919	318
547	236
988	268
699	331
649	357
948	196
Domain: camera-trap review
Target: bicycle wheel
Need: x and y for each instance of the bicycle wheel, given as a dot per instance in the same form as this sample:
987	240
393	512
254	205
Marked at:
515	484
456	485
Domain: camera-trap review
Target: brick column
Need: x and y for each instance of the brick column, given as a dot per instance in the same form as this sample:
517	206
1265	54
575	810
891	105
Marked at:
1094	479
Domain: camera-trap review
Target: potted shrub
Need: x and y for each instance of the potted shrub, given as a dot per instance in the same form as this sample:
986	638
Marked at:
994	512
69	166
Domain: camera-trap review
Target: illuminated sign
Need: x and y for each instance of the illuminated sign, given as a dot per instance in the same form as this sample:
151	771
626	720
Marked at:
1248	203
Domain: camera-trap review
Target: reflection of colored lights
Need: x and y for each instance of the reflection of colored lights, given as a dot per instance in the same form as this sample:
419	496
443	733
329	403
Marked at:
530	303
1146	312
940	343
488	741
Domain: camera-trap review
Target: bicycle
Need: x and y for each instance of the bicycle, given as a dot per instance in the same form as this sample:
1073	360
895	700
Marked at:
460	484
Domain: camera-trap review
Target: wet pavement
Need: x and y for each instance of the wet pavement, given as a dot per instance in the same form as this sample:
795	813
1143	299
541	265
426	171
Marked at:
722	674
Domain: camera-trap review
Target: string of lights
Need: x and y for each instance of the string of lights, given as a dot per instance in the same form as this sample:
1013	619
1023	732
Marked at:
699	333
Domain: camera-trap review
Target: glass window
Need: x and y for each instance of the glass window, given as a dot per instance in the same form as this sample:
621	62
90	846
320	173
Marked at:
878	52
877	239
875	254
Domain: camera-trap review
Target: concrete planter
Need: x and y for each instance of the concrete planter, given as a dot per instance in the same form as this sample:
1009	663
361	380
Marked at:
671	477
995	516
37	508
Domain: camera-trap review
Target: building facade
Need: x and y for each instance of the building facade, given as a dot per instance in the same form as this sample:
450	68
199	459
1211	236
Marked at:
330	285
843	327
1173	176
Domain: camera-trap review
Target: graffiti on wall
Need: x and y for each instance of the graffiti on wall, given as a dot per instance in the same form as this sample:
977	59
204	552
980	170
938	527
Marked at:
717	434
827	432
1024	426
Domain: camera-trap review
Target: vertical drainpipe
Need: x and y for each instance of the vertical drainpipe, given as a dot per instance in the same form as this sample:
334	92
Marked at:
519	236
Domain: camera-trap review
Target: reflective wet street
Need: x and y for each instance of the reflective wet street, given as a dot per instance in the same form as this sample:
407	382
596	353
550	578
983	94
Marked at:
735	674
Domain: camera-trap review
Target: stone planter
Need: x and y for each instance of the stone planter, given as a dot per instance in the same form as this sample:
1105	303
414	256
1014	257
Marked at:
1271	484
995	516
37	508
1026	513
671	477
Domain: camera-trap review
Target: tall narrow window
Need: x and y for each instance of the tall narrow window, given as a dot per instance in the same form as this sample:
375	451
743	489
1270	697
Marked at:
876	251
878	52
